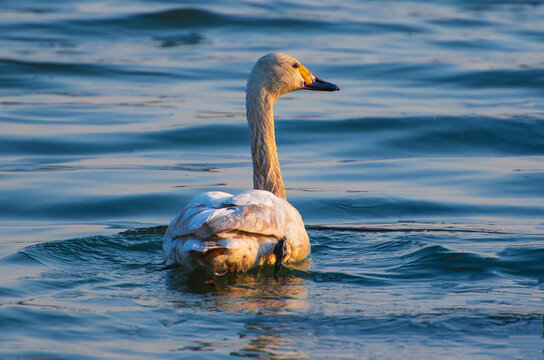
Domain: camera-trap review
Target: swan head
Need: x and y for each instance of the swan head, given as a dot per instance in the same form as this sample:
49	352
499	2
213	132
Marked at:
278	74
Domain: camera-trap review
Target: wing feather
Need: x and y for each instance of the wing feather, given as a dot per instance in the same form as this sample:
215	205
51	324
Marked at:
212	217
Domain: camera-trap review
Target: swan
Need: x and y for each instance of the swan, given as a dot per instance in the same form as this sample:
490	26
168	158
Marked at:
219	232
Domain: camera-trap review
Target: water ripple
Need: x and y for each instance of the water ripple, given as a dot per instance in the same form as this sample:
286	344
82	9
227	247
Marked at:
420	181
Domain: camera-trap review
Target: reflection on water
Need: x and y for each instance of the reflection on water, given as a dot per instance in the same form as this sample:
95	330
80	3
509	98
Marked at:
257	292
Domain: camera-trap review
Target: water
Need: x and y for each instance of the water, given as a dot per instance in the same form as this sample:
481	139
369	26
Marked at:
421	181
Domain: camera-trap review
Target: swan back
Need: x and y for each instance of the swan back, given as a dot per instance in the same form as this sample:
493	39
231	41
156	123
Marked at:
221	232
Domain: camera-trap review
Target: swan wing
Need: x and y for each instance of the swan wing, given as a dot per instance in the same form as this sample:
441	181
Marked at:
255	211
215	220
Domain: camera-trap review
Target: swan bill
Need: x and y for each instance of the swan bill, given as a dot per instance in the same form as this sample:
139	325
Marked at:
320	85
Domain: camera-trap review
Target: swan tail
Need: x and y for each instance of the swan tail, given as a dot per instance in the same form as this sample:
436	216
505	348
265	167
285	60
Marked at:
226	253
214	259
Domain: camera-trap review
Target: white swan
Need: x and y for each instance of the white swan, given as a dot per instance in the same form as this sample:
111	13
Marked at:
219	232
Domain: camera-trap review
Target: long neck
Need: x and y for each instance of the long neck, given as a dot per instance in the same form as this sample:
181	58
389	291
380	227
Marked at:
266	167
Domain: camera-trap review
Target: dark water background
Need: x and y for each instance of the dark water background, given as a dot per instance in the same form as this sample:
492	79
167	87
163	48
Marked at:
421	182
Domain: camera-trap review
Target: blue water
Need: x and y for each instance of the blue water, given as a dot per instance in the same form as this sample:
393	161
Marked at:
421	182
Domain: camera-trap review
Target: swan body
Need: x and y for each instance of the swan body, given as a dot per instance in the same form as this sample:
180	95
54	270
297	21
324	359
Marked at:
220	232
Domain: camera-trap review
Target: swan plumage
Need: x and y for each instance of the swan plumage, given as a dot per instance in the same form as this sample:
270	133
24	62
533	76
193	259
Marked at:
221	232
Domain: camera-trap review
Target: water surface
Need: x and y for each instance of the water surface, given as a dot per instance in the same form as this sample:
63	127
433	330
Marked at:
420	181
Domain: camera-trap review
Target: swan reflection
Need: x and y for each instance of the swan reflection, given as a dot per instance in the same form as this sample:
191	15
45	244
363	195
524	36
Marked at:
269	302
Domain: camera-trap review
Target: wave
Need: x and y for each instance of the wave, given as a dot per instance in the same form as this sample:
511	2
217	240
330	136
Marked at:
422	135
203	137
123	249
195	19
395	137
148	22
80	271
94	70
524	78
363	256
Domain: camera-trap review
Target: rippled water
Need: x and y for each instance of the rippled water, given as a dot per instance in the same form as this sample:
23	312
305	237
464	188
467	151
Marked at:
421	181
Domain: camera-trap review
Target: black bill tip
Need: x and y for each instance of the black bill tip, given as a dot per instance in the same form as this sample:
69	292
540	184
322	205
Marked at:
320	85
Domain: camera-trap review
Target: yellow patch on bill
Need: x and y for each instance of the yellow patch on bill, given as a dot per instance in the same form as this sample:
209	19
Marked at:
306	74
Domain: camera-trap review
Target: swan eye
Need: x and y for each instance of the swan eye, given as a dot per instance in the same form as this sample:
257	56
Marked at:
295	66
